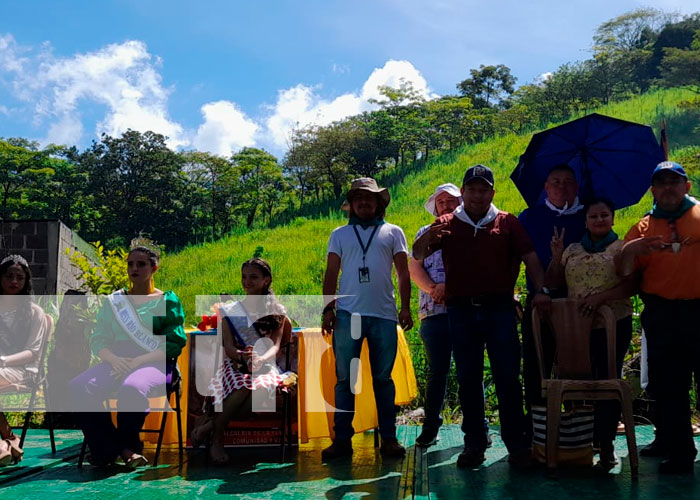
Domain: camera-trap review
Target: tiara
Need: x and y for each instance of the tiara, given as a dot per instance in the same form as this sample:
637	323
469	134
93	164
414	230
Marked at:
17	259
144	242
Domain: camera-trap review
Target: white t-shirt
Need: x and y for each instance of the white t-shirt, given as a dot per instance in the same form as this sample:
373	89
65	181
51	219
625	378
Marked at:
375	298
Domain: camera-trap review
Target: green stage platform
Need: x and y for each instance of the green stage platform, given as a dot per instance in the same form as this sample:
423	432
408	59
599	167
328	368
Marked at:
254	473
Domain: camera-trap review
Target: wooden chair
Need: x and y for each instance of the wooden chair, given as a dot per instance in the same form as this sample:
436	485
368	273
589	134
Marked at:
573	378
173	388
289	346
32	388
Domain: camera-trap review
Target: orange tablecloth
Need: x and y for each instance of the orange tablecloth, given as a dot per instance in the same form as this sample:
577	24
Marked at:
316	388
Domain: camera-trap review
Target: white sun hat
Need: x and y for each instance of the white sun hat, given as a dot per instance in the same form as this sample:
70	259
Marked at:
442	188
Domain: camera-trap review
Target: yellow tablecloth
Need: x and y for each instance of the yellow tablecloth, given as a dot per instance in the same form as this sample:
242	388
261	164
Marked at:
317	382
316	389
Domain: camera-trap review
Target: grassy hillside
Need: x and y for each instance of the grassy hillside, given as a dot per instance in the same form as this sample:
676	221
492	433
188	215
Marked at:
297	251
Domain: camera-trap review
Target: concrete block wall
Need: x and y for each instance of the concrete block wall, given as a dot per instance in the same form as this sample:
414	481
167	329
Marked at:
43	243
30	239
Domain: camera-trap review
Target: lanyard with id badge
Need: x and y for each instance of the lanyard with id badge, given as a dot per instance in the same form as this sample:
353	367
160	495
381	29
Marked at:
363	272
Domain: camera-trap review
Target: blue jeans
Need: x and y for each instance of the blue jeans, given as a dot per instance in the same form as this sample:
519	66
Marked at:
492	326
381	340
435	332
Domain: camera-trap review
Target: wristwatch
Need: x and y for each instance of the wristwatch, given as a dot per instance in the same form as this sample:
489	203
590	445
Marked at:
544	290
3	361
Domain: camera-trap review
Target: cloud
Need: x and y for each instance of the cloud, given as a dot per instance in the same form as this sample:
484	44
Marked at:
340	69
59	94
225	129
123	77
65	130
10	59
541	79
301	106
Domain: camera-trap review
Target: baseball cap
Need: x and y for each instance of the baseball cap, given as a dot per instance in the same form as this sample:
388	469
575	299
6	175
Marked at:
669	166
478	172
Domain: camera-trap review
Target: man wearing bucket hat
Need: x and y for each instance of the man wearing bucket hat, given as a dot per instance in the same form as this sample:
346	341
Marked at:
482	248
664	248
364	252
429	275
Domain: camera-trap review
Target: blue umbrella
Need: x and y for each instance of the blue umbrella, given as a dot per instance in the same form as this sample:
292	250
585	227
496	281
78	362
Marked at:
612	158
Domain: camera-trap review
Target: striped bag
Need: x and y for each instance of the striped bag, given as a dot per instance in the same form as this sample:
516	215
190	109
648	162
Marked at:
575	435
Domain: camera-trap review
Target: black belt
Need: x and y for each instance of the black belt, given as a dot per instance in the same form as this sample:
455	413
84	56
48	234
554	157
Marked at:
480	300
649	298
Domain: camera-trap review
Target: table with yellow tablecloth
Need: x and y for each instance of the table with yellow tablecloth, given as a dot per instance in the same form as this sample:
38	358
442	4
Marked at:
315	388
317	382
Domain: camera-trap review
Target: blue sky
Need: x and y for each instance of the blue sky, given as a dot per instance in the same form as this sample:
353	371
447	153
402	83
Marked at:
220	75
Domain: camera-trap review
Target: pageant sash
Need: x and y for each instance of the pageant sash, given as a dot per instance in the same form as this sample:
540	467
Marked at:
128	319
240	322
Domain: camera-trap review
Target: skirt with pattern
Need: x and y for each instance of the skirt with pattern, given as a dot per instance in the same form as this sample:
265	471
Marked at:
228	379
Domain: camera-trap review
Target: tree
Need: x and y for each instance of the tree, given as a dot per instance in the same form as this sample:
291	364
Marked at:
678	35
260	181
681	67
631	29
566	90
488	86
21	165
137	185
297	163
403	105
214	181
623	51
451	119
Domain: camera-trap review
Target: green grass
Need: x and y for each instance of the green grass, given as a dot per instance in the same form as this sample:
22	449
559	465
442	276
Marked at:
297	251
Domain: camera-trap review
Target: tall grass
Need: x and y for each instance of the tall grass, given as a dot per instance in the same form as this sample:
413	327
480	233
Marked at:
297	250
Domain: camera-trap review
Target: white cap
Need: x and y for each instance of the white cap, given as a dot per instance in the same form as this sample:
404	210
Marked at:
442	188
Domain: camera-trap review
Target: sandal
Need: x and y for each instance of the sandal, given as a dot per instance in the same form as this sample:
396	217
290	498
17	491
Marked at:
135	461
15	450
5	454
218	459
201	434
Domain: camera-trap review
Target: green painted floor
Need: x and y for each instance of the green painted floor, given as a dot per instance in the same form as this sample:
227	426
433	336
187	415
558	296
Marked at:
255	473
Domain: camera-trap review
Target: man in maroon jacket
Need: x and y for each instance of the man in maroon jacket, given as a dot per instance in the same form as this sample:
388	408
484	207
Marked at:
482	248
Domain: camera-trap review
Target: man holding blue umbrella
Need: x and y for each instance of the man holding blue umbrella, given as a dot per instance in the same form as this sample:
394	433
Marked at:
593	156
561	210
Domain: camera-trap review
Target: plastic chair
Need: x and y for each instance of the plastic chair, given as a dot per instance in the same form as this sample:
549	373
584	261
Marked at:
173	388
32	387
573	378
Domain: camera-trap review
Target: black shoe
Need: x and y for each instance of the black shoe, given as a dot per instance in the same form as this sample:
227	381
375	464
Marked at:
339	449
522	459
608	458
676	466
654	449
470	458
428	437
391	448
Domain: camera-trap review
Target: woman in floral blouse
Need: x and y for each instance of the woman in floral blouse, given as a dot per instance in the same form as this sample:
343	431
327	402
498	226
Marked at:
588	269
